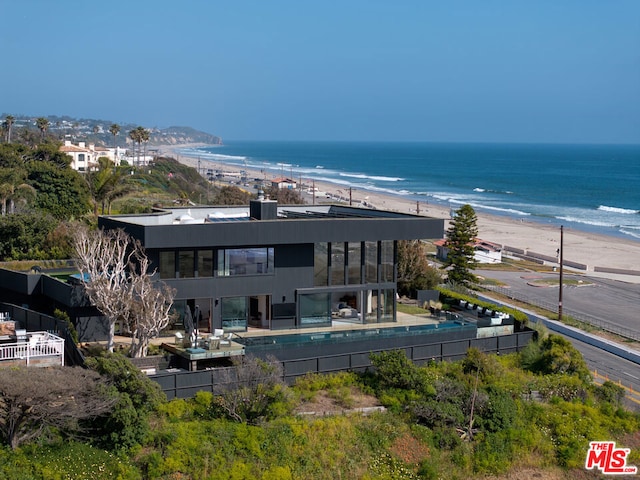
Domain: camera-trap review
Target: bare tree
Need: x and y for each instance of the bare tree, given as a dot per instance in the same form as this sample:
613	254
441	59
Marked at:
33	400
116	276
150	306
250	387
102	258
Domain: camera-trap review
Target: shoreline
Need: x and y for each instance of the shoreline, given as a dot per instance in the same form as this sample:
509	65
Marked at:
591	249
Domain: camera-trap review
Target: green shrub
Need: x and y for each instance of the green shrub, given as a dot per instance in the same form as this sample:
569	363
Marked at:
610	392
394	370
137	396
494	453
177	409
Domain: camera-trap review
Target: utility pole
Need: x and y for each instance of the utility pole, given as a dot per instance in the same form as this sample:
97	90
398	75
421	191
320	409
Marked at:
417	208
350	196
561	258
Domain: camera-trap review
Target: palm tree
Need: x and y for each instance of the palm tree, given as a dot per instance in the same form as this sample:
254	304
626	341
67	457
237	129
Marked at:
8	123
134	135
14	189
105	184
20	193
139	135
145	135
43	126
114	130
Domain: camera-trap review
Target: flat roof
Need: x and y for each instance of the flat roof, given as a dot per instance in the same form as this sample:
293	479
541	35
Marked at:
228	214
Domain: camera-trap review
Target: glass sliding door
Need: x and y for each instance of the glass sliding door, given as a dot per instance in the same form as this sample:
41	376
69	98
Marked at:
234	314
371	306
387	304
315	309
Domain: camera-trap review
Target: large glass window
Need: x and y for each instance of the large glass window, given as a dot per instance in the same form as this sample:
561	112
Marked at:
245	261
320	264
354	259
167	264
186	265
388	302
234	313
386	261
371	262
205	263
337	264
371	306
315	309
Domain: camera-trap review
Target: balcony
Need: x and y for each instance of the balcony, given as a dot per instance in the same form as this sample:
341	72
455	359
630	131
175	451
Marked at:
38	349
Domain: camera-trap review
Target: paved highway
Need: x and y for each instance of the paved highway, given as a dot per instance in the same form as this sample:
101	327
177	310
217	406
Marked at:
606	366
613	301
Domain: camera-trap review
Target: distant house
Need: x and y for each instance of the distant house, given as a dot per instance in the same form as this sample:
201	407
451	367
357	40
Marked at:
85	157
485	252
283	183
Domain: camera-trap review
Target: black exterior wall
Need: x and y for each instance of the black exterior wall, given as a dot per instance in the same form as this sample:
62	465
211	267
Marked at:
292	239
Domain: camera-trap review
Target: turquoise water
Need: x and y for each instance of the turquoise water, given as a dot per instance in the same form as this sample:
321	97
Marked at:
586	187
299	339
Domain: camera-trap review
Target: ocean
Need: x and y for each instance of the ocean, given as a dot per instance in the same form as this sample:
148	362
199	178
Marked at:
594	188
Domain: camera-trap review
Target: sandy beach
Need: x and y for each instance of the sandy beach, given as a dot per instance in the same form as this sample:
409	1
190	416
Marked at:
593	250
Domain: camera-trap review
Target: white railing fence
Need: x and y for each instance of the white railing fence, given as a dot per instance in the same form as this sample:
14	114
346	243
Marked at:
37	345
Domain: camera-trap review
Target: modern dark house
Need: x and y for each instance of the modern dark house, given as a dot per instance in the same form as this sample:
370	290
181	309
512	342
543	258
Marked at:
278	267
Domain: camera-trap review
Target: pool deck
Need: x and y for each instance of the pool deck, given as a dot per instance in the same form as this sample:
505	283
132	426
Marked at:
403	319
237	349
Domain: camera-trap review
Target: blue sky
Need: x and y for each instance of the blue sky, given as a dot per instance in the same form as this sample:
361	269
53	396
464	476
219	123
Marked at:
462	71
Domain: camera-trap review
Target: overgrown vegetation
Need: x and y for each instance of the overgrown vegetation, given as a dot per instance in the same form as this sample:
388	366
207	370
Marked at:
41	196
485	415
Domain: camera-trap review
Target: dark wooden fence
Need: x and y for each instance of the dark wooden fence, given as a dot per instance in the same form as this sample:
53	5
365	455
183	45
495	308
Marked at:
178	383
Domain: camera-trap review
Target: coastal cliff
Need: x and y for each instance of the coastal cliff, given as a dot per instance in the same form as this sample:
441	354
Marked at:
98	131
182	135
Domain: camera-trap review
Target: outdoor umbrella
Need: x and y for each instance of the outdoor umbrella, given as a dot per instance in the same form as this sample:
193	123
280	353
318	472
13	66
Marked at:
196	317
188	322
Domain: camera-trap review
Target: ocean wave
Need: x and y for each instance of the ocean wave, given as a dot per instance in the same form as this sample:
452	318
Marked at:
631	233
488	190
464	200
215	156
586	221
510	211
625	211
371	177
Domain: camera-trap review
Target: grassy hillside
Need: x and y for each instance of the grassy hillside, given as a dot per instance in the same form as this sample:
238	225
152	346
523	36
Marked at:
487	417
